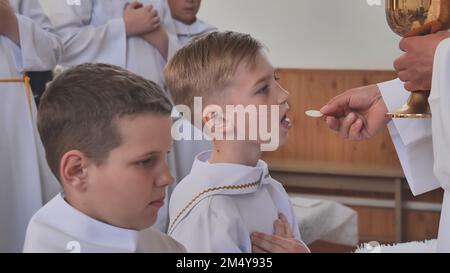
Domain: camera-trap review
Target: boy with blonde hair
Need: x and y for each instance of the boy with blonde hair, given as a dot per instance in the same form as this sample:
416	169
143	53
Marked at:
229	193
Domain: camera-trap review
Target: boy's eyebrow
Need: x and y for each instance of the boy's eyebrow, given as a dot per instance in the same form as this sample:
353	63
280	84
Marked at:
148	154
263	79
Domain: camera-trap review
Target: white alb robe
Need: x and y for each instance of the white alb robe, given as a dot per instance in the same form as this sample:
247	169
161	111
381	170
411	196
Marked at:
423	144
440	107
217	206
94	31
187	33
60	228
26	182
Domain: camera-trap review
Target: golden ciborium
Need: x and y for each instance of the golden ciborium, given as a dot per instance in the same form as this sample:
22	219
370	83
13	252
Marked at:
410	18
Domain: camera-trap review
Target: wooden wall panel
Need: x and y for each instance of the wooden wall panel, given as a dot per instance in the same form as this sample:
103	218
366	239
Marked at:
375	224
378	224
312	146
420	225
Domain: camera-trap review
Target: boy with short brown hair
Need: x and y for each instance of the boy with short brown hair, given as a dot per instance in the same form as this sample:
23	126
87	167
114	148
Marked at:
106	132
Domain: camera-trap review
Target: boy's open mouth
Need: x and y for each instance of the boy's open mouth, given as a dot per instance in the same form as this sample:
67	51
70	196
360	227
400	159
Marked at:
286	122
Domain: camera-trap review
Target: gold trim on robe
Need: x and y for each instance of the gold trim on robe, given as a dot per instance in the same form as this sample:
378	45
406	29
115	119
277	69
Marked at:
229	187
25	80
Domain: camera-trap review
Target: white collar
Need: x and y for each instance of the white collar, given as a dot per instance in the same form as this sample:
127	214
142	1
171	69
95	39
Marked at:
233	173
196	28
69	220
208	179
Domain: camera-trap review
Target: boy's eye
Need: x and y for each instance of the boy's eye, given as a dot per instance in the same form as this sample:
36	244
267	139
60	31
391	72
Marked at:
147	162
263	90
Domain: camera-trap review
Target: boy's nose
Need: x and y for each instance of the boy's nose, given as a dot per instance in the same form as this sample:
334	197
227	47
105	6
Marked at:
166	178
283	95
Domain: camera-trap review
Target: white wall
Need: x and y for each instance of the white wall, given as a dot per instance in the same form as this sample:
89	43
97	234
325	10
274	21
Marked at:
329	34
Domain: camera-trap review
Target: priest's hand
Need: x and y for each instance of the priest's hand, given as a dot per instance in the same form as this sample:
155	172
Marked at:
357	114
283	240
9	25
415	66
139	19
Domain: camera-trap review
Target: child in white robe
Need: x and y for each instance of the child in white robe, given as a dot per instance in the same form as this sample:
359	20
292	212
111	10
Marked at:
106	132
187	25
27	43
132	35
229	193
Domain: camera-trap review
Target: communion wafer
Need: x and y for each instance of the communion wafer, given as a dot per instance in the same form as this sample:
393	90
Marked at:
314	114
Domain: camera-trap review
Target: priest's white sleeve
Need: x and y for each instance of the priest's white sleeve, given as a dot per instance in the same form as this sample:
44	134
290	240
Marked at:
440	108
40	48
412	139
85	42
213	226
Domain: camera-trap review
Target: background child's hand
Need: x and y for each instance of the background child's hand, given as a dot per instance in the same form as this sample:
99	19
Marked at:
283	240
159	39
9	25
139	19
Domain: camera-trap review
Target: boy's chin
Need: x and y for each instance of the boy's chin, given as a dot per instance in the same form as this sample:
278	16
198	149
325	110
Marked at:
145	223
273	145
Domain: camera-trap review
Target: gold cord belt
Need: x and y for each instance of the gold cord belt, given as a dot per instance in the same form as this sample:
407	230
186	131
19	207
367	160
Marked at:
237	187
25	80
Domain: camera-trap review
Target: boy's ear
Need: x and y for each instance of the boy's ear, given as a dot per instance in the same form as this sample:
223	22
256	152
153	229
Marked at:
210	119
217	123
73	170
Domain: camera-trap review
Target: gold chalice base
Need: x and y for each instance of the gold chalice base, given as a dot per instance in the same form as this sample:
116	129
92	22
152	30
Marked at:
416	107
400	115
